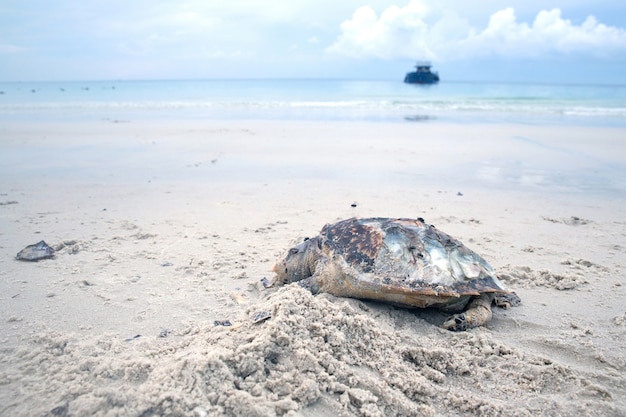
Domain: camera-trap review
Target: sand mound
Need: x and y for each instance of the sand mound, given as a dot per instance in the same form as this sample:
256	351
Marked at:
573	273
317	356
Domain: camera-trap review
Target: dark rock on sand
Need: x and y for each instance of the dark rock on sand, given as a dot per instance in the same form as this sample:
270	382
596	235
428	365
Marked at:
35	252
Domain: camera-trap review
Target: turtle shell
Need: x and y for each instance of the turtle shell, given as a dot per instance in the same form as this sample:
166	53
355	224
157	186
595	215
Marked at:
403	261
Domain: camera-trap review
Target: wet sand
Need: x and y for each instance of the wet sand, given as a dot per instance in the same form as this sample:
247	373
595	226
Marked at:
162	229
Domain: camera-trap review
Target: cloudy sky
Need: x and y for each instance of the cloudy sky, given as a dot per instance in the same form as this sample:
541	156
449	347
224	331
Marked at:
530	40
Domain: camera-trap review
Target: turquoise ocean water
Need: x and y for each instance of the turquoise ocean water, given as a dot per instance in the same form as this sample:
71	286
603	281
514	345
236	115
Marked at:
566	169
456	102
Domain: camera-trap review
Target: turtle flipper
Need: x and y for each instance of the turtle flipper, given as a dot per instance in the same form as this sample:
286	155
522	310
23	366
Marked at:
478	313
306	283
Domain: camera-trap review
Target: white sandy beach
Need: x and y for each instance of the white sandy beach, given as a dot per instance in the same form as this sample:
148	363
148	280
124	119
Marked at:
164	228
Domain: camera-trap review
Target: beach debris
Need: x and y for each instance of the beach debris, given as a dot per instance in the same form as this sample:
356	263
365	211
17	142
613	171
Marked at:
405	262
35	252
257	287
7	203
460	194
239	297
143	236
164	332
572	221
353	205
60	411
259	316
620	320
225	323
71	247
242	275
167	264
61	245
419	118
130	339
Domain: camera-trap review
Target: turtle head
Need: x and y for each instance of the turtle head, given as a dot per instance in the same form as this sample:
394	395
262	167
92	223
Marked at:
299	263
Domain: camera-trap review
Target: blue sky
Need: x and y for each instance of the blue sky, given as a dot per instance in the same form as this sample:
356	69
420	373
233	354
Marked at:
565	41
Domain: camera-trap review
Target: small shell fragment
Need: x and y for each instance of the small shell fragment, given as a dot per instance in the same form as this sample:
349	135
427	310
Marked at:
260	316
239	298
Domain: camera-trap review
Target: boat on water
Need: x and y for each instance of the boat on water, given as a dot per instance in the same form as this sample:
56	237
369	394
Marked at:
422	75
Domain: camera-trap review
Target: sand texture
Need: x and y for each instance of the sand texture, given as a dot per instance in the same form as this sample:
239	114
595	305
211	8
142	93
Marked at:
154	303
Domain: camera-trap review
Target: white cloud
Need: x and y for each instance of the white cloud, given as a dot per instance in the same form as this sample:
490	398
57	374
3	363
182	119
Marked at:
548	34
399	31
413	32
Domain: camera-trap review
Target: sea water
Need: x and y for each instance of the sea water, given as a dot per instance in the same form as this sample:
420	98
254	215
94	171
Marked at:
344	100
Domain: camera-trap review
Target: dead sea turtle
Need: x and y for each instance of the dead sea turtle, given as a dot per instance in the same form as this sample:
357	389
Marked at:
401	261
